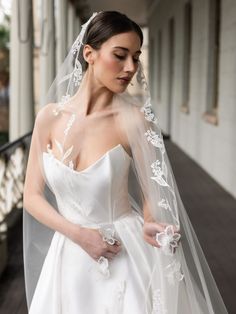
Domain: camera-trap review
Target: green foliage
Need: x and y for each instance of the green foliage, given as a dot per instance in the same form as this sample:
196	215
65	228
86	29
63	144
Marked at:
3	138
4	37
4	55
4	60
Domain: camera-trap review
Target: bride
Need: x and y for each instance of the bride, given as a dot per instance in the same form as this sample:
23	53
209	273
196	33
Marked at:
105	230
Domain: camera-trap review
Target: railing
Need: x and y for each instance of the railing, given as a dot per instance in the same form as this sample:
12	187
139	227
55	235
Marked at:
13	161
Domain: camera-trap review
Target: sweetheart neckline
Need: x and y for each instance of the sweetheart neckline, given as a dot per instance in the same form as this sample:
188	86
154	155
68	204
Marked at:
94	163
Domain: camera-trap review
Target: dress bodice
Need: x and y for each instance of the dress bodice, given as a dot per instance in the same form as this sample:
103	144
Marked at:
95	195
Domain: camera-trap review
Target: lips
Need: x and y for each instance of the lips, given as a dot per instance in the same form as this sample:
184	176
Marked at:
125	79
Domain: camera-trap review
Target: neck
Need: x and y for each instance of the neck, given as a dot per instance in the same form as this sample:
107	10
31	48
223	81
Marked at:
92	96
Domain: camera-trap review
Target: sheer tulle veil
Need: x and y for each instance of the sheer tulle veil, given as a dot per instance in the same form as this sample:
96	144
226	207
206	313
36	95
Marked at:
173	274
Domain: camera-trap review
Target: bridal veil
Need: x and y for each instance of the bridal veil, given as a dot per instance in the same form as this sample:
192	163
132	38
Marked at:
175	273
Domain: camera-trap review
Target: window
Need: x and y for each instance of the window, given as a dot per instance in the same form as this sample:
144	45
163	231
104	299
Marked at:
151	59
213	62
171	64
159	64
187	56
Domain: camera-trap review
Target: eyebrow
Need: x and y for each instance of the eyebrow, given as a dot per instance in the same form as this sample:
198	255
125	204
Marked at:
126	49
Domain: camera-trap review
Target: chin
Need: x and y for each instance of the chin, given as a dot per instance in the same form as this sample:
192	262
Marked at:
118	89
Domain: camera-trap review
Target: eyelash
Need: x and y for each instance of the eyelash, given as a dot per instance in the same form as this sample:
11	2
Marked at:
123	58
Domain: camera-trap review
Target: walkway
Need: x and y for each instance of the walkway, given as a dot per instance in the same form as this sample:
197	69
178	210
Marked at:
212	212
213	215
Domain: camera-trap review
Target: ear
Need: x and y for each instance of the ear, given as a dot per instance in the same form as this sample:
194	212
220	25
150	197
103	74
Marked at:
88	54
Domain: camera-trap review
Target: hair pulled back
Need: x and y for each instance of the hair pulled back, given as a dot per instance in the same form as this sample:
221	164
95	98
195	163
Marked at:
105	25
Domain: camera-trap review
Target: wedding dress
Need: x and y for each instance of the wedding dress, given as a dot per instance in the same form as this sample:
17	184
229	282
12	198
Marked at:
108	195
70	280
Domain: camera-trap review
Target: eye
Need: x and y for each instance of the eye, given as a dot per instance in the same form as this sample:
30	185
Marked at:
123	57
120	57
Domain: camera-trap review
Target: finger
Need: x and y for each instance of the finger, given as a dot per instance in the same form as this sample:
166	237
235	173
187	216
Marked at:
152	241
154	228
114	249
106	242
176	230
161	227
118	243
109	256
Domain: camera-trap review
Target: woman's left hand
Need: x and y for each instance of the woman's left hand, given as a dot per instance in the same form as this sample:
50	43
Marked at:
150	229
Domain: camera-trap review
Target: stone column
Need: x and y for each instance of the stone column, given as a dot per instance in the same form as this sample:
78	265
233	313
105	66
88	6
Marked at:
77	27
71	26
47	51
21	69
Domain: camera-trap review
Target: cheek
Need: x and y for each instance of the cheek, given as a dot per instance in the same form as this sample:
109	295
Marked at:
111	65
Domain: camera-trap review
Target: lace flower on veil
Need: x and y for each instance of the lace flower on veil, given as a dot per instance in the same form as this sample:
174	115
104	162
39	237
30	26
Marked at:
168	239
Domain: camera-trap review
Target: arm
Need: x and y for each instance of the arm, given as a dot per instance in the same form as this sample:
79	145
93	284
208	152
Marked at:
33	199
35	203
150	226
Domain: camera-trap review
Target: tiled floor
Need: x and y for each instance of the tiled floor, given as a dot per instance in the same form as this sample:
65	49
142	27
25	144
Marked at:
213	215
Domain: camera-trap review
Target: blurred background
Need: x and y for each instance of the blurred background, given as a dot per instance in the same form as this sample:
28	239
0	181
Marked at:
189	57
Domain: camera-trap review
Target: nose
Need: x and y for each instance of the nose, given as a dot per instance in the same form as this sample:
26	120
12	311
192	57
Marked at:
130	66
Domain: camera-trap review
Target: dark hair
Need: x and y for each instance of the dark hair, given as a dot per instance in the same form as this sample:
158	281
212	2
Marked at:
105	25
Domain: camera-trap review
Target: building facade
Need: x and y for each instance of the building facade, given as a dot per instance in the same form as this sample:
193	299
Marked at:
193	80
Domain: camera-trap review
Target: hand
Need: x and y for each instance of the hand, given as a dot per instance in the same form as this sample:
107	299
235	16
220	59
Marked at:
150	229
91	241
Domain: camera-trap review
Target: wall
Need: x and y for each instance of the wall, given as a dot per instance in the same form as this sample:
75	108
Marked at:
212	146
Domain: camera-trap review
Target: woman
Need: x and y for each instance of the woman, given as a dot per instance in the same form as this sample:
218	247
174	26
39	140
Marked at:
110	201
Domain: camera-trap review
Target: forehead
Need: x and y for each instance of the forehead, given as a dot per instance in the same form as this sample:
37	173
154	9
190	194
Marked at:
129	40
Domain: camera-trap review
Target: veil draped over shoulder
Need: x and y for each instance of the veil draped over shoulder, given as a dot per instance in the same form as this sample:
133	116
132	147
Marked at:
177	279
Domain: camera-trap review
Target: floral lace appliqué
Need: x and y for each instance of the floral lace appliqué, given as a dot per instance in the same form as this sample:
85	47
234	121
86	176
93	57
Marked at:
103	266
159	173
168	240
158	306
77	73
173	272
108	233
148	113
119	295
117	300
78	42
164	204
64	154
69	124
61	104
155	139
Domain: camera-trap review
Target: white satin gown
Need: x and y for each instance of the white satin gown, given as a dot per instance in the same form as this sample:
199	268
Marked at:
71	282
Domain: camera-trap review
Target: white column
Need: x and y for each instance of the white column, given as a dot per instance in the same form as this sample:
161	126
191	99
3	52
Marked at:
77	27
61	31
47	51
71	26
21	69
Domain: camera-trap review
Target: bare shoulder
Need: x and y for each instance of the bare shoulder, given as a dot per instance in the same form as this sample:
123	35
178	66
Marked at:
135	117
47	110
45	115
44	122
